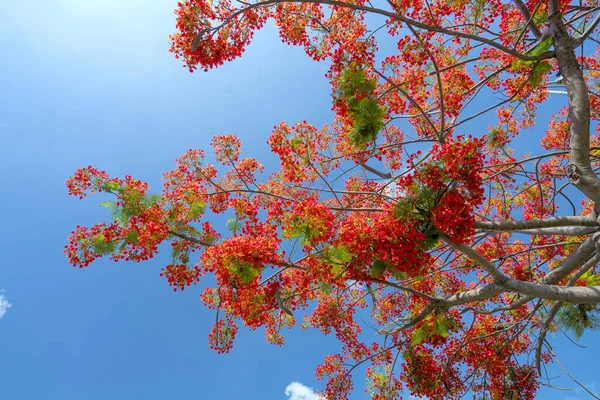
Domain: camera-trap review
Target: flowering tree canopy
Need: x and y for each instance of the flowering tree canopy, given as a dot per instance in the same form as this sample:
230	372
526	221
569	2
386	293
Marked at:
438	254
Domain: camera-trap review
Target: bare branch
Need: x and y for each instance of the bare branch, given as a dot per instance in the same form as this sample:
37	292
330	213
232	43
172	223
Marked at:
579	41
508	226
189	238
483	262
529	18
383	175
574	295
562	230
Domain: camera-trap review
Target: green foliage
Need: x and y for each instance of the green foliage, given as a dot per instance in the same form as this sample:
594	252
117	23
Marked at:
363	106
368	121
111	205
540	18
302	230
111	187
338	256
134	202
579	317
151	200
378	267
418	207
590	278
210	239
101	246
132	237
295	142
245	271
116	212
176	251
196	209
440	327
419	335
234	225
541	47
538	73
435	324
537	68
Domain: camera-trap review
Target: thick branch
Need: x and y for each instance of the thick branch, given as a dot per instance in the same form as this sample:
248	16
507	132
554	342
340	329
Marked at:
382	175
556	307
561	230
579	41
577	258
574	295
580	172
507	226
483	293
527	16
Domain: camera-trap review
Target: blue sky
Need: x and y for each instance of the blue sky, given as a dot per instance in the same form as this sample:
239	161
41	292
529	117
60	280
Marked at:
91	82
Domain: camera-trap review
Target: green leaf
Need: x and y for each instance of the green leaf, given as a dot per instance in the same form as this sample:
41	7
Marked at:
591	279
356	91
338	257
152	200
327	289
234	225
441	327
541	47
210	239
579	317
111	205
339	254
132	237
111	187
245	271
175	251
101	246
539	68
378	268
196	209
298	229
419	335
538	72
399	275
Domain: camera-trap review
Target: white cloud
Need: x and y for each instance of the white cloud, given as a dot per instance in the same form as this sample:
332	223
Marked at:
297	391
4	304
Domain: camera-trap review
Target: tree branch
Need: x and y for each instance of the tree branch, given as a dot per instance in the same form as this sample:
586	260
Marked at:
529	18
561	230
398	17
580	172
507	226
574	295
577	258
496	274
189	238
579	41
